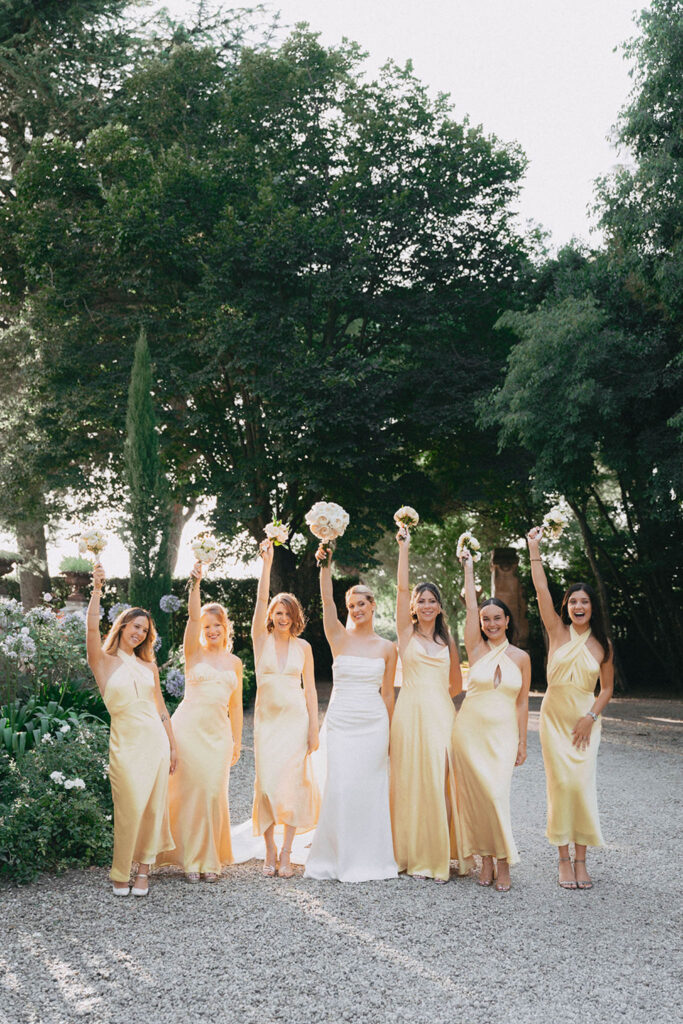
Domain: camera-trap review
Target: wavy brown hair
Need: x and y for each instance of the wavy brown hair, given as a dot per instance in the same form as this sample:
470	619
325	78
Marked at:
596	623
441	631
144	650
222	615
296	612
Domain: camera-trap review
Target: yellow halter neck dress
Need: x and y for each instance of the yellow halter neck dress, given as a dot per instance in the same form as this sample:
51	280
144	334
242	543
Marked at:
569	771
198	791
285	789
422	765
485	741
139	758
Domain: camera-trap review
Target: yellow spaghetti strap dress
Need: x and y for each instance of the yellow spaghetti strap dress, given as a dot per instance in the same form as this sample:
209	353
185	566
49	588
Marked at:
285	790
139	758
422	765
570	773
198	791
485	741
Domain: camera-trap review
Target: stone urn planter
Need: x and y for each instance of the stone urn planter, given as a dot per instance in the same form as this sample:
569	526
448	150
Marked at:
78	582
7	562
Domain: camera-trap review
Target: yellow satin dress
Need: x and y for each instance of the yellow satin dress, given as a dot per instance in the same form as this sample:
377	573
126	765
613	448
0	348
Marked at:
139	759
421	766
485	742
285	790
570	773
198	791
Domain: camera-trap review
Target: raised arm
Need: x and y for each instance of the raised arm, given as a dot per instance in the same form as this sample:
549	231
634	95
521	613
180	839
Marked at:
165	718
388	679
404	621
551	620
259	632
192	636
473	639
236	714
334	631
311	697
522	707
93	640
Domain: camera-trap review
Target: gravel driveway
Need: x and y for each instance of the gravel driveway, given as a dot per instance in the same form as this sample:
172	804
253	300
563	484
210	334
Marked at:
255	951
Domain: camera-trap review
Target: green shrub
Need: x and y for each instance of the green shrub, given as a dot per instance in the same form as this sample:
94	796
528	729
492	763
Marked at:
45	826
73	563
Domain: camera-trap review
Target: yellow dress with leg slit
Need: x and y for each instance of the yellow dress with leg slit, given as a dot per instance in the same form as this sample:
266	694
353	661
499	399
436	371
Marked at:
570	772
422	773
285	790
485	742
198	791
139	759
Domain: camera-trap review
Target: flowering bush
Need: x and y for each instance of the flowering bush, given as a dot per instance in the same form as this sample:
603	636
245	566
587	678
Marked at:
55	806
116	609
174	683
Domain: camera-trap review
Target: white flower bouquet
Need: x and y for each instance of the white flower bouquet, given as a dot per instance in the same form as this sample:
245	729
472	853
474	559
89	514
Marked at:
554	522
94	540
205	548
468	542
407	517
277	531
326	521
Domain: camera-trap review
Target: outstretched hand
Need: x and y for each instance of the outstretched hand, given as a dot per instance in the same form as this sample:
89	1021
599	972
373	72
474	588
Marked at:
466	559
323	557
535	534
98	576
265	550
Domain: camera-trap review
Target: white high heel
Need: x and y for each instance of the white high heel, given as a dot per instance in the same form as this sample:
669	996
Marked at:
119	891
140	892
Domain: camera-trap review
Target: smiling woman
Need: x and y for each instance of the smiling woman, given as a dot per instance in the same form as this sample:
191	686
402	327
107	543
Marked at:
141	744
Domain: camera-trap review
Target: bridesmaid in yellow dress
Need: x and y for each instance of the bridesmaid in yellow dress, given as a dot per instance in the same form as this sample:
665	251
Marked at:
579	656
208	731
489	738
285	722
422	789
142	750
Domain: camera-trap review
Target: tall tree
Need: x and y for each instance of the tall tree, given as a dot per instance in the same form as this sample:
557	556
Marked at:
147	520
320	261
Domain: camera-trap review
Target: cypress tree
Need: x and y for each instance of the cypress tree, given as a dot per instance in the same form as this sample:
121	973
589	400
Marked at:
147	515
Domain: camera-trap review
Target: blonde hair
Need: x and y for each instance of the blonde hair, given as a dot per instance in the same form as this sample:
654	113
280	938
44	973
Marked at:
362	591
296	613
221	614
144	650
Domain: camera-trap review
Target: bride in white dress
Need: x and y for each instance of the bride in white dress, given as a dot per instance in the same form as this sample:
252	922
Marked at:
353	840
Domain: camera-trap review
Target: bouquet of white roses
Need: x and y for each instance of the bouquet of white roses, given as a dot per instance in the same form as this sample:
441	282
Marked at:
468	542
205	548
277	531
554	522
406	517
94	541
326	521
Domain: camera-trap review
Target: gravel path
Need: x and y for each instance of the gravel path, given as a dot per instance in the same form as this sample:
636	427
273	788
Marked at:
256	951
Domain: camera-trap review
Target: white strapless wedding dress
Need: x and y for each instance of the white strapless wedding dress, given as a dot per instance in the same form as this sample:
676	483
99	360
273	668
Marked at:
352	842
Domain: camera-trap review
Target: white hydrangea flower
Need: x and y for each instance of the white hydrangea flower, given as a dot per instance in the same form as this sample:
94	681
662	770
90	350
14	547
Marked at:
58	778
74	784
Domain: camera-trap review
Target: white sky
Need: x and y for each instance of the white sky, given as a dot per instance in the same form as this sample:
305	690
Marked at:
541	72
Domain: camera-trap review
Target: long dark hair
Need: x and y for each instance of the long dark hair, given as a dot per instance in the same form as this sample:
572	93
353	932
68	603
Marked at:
510	628
597	623
145	649
440	625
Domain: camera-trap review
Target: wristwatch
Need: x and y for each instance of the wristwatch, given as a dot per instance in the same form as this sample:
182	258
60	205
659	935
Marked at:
592	715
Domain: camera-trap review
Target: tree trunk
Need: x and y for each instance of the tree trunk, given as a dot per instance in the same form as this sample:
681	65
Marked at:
179	517
34	579
284	574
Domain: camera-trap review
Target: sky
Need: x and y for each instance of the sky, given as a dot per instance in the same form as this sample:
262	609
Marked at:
540	72
543	73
